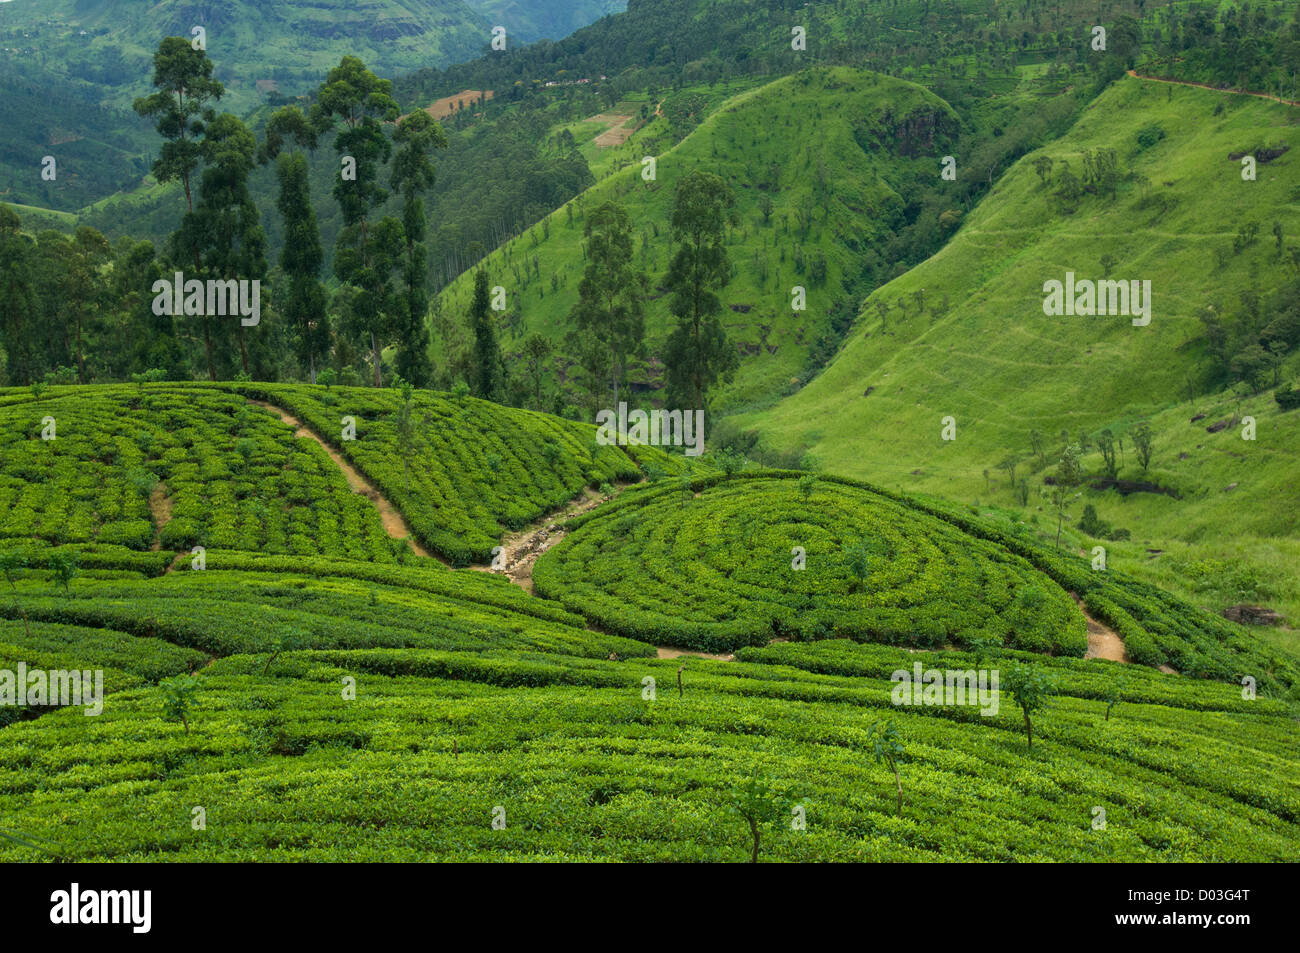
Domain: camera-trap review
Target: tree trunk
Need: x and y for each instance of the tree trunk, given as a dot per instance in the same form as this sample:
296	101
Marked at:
1029	730
207	346
753	829
374	349
899	782
243	351
81	365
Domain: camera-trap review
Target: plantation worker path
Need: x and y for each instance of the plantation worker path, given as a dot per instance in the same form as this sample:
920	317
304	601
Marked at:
1214	89
519	551
667	651
160	508
394	523
1103	641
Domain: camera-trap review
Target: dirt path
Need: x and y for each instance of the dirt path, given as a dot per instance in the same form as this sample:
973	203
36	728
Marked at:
522	549
1213	89
1103	641
160	508
667	651
394	523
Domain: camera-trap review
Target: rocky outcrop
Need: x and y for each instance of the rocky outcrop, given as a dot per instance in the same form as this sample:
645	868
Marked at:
1252	615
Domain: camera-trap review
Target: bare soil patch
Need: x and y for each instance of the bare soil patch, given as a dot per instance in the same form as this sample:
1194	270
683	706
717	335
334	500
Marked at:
452	104
522	549
1103	641
160	508
620	130
667	651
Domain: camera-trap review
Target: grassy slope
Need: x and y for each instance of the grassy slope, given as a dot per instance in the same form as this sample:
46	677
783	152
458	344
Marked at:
799	125
1003	368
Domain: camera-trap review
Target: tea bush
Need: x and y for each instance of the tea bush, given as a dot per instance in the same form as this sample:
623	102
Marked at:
721	570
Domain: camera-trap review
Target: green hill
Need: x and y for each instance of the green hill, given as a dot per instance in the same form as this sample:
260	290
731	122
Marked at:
111	42
820	163
174	466
1181	218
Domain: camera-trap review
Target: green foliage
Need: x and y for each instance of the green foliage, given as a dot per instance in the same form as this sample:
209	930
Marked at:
178	698
63	568
887	748
909	578
1031	687
467	471
235	479
756	802
697	352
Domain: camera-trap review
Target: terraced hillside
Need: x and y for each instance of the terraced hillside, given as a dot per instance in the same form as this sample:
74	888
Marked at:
1015	379
493	711
177	465
819	162
319	706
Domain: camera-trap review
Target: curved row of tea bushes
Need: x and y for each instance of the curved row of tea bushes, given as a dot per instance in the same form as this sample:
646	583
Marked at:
1079	678
150	659
586	768
476	470
1163	628
224	613
233	477
717	570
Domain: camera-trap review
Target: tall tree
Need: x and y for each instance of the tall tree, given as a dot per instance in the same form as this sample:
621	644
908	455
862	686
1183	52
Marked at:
304	300
151	337
413	173
18	309
225	227
181	111
363	103
698	354
611	297
536	350
85	288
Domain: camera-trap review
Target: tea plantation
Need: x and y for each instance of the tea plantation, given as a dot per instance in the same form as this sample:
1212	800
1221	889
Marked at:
304	689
